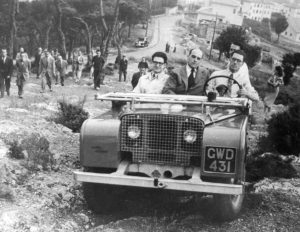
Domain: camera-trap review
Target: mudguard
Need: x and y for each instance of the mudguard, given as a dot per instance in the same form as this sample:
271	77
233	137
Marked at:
99	143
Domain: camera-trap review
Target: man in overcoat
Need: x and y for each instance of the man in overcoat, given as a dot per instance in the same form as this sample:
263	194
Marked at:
47	70
6	69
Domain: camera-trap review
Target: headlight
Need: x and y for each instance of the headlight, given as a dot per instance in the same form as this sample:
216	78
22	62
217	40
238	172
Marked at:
190	136
134	132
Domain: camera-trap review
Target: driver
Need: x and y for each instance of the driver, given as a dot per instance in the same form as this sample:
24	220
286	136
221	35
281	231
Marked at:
226	87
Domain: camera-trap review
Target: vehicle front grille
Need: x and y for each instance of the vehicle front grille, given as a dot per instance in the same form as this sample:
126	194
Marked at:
161	140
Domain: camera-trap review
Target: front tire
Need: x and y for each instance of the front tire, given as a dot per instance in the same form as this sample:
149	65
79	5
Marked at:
101	198
228	207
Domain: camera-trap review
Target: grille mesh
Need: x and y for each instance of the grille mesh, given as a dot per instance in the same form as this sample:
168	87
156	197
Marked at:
161	140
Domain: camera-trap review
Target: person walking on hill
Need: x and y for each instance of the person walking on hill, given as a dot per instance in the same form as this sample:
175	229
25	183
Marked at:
123	68
6	69
274	83
37	58
47	70
97	63
79	67
61	67
23	66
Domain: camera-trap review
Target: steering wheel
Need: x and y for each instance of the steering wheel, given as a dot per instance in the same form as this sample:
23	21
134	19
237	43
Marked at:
220	76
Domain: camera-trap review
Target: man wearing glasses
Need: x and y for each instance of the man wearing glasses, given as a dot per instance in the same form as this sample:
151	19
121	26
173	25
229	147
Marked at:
154	81
233	71
189	79
244	69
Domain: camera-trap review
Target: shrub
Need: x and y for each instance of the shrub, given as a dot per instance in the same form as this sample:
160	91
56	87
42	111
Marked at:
269	165
37	148
15	150
283	132
71	115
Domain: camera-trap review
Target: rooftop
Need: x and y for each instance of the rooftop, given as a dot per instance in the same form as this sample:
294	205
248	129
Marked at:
226	2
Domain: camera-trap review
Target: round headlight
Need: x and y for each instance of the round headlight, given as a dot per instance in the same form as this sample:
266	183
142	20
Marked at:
190	136
134	132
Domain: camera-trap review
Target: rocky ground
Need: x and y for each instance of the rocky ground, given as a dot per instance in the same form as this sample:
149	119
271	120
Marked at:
38	193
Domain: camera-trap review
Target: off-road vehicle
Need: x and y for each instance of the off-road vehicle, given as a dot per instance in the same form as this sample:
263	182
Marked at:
167	142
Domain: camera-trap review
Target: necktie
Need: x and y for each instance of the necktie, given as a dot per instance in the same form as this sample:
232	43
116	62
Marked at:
229	84
191	80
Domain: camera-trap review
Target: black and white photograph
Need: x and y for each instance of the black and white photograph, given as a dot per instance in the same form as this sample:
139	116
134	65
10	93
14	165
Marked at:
149	115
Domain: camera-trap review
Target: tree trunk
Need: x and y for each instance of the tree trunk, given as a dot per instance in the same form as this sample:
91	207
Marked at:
46	35
88	35
71	45
13	4
278	38
59	29
129	30
111	31
108	32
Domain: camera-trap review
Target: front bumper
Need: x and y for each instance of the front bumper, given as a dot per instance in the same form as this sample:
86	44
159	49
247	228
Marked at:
191	185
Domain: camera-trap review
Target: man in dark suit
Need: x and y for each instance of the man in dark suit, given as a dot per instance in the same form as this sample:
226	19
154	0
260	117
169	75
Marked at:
98	63
61	68
6	69
123	68
189	79
23	67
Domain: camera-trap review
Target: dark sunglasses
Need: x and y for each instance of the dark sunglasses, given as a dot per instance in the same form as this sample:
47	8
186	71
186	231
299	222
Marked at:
194	57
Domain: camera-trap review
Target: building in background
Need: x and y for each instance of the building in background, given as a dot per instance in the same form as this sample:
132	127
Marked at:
259	9
228	12
293	30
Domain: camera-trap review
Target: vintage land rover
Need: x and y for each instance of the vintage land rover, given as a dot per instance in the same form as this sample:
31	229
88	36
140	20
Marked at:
167	142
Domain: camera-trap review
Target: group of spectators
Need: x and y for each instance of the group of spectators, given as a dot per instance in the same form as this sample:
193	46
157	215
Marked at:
48	66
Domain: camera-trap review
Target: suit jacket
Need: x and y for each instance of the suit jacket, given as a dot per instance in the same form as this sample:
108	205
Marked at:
80	62
23	69
61	67
6	68
123	64
47	64
178	82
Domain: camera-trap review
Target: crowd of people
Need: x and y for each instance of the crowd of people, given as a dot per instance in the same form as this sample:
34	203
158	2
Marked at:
150	79
49	67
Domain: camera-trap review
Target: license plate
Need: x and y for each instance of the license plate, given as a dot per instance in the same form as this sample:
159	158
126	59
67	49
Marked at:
220	159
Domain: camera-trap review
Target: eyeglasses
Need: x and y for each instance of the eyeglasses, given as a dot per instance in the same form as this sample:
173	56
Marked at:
194	57
157	63
236	60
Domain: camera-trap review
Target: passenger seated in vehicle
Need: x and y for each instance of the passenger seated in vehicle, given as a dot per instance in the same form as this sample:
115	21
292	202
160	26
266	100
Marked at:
188	79
236	62
154	81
